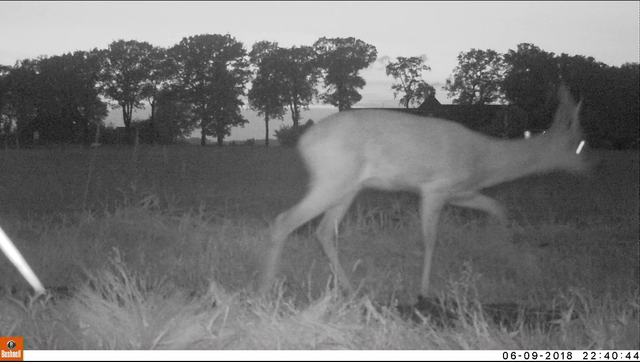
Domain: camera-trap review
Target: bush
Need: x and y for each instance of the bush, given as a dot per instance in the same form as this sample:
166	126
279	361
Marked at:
288	136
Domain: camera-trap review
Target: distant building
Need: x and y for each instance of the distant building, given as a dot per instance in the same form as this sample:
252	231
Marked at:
492	119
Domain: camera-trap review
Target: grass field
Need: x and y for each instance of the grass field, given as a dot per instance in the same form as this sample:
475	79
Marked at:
160	248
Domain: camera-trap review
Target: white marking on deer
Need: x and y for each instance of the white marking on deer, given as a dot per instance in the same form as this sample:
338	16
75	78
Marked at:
443	161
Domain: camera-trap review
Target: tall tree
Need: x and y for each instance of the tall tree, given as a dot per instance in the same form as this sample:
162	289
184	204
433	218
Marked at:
212	72
162	75
624	110
529	80
341	60
408	73
266	95
92	109
477	78
69	97
6	122
299	69
22	98
174	116
126	68
609	98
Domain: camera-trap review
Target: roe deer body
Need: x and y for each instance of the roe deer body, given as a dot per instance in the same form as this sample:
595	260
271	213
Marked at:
443	161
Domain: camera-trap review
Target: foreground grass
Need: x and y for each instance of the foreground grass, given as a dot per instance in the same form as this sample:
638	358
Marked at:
141	278
161	251
120	309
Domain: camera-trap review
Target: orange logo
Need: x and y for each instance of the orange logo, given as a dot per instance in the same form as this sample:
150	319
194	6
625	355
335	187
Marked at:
11	348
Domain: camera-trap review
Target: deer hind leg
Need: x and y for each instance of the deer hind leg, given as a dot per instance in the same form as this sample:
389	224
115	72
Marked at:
314	203
430	209
326	234
481	202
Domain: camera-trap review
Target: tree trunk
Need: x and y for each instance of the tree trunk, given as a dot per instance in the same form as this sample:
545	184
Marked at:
127	114
127	125
339	94
203	126
295	114
152	128
97	141
17	135
85	137
266	131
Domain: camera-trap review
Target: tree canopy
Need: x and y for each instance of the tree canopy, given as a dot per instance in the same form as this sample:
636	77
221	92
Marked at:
530	77
408	72
70	97
477	77
341	60
267	92
212	73
126	69
56	97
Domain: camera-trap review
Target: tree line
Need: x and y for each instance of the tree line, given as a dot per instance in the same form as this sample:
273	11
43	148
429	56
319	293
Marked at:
203	81
527	78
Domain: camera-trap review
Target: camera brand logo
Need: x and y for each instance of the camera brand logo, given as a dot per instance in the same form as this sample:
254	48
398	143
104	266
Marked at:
11	348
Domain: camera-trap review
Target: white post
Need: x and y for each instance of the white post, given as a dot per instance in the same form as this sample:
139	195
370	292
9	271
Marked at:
16	258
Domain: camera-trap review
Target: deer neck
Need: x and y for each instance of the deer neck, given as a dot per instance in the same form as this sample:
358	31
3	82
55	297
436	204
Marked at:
507	160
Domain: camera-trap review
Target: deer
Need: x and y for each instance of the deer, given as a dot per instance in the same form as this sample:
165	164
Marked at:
441	160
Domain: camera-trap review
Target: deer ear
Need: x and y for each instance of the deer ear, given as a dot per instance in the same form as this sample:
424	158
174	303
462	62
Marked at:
566	114
575	119
578	107
564	95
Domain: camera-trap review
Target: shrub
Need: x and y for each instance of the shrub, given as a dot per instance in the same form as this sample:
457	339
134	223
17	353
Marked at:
288	136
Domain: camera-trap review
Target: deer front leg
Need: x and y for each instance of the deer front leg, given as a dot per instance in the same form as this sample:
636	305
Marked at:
326	234
430	209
